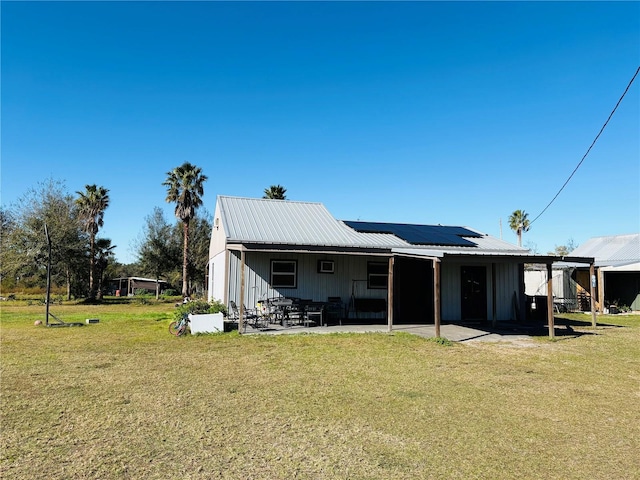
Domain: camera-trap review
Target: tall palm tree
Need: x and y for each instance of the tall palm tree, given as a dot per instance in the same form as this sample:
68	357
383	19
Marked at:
519	223
185	188
275	192
91	206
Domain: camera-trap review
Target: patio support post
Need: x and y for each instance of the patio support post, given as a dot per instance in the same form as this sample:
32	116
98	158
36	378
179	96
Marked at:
436	295
241	306
494	296
601	287
592	284
550	317
390	295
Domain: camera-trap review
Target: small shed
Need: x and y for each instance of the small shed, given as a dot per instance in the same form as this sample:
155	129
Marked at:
128	286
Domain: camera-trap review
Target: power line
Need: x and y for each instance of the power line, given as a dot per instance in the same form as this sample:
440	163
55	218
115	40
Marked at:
589	149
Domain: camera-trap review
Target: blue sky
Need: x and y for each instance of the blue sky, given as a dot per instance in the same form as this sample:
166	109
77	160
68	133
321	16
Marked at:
453	113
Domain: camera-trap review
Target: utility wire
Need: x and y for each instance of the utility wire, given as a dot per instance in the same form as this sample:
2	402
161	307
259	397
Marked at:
589	149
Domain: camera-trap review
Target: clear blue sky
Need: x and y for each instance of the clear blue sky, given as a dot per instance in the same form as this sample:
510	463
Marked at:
448	113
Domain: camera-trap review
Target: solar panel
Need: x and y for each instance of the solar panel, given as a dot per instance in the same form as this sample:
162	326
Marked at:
419	234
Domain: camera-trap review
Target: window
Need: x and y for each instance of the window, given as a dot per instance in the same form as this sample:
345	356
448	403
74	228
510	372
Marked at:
377	274
326	266
284	273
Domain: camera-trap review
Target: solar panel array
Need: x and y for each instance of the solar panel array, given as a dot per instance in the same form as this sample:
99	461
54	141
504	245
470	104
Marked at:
419	234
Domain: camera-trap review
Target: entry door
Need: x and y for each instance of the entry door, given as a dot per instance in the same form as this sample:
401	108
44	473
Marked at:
474	293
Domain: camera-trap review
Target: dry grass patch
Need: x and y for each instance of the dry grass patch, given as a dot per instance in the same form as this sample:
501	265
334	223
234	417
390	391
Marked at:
124	399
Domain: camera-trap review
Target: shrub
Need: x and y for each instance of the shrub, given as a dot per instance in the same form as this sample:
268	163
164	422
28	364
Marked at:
200	307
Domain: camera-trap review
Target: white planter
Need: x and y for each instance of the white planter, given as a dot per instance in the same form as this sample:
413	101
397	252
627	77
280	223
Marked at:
207	323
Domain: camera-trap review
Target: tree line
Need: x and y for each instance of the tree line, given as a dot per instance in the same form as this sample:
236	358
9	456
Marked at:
81	260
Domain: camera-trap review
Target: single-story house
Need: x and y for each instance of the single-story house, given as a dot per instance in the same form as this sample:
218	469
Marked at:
617	271
398	273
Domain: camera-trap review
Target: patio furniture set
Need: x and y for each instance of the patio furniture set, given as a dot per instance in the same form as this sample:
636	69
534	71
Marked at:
289	312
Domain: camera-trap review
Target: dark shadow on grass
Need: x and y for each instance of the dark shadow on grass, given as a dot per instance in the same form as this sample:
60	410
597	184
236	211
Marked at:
564	327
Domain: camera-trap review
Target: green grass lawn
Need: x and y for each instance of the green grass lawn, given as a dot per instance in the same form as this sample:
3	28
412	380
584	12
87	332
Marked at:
125	399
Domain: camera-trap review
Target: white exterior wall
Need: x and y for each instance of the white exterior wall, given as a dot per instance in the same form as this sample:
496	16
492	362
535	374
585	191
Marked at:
217	284
311	284
451	289
216	289
535	283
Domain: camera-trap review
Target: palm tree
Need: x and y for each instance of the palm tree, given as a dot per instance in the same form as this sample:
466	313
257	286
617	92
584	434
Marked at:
91	206
185	188
275	192
519	223
104	253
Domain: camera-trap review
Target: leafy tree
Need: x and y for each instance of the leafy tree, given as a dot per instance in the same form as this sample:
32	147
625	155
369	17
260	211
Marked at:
519	223
91	206
185	187
159	252
564	250
24	245
7	226
275	192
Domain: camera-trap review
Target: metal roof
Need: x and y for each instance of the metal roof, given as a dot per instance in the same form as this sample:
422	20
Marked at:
612	251
284	222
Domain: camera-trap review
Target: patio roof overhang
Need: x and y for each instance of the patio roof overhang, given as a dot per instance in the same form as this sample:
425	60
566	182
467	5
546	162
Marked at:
295	248
494	256
425	253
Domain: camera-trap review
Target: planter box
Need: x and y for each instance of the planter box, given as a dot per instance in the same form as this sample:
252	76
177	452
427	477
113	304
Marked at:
207	323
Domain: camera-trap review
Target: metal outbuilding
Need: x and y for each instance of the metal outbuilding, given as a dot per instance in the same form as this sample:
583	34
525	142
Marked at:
617	270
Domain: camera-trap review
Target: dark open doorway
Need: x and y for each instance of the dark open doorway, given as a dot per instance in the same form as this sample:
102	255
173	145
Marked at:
412	291
474	293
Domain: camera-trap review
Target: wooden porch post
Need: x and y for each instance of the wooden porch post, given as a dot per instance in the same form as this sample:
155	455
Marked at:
436	295
390	295
550	317
592	284
601	287
241	306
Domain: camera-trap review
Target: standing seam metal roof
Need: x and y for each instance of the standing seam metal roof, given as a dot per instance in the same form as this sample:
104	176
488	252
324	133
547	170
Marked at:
613	250
285	222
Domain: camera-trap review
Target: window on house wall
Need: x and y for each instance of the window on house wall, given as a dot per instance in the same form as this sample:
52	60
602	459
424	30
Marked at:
284	273
377	274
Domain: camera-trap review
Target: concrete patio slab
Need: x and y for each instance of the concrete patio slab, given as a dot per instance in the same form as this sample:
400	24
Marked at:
453	332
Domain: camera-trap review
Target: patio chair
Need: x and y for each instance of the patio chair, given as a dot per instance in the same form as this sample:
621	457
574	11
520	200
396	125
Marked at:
334	311
295	314
315	313
251	317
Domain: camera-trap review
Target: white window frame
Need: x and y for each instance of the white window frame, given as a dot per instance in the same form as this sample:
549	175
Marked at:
278	275
375	275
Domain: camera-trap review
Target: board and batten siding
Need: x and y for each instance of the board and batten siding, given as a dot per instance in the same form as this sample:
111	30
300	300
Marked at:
451	289
311	284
